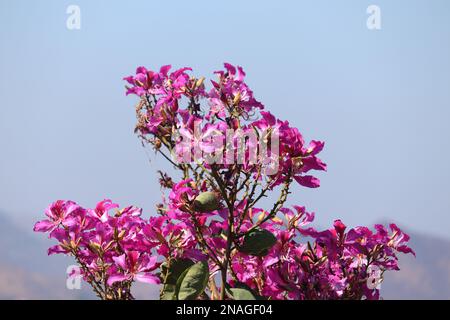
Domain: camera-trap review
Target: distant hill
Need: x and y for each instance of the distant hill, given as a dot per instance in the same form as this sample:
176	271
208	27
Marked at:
425	277
26	272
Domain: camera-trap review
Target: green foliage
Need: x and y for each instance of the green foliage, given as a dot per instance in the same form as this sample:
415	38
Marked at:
241	294
192	282
168	292
171	275
258	242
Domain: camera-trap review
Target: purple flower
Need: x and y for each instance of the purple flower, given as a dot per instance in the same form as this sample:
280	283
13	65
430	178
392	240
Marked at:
133	265
58	213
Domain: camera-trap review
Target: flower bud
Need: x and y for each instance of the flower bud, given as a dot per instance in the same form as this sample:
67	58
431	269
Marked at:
157	144
193	185
121	234
199	82
297	163
237	98
96	248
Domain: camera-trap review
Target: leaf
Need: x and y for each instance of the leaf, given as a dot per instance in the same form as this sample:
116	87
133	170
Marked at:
192	282
241	291
170	277
179	281
258	242
168	292
177	267
241	294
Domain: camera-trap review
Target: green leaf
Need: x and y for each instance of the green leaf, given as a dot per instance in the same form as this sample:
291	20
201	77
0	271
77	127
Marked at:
170	277
192	282
179	281
177	267
258	242
241	291
241	294
168	292
206	202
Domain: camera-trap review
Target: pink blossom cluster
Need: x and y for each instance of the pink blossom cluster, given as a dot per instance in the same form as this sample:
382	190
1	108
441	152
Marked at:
231	105
334	265
210	238
111	250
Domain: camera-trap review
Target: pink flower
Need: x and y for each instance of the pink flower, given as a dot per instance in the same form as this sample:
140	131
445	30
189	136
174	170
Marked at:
141	82
134	266
231	92
181	197
58	213
101	210
399	240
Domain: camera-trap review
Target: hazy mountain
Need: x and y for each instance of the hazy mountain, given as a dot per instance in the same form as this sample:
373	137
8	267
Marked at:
425	277
26	272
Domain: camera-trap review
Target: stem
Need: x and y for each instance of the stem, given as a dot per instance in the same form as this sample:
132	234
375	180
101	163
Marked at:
276	207
230	203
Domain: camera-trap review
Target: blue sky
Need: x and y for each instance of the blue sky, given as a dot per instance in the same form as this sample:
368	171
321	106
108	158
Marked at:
380	99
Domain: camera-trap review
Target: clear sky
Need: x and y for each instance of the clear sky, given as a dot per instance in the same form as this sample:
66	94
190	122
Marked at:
379	98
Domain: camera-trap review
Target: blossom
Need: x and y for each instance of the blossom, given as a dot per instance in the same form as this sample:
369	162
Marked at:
58	213
212	215
295	157
232	92
135	266
101	210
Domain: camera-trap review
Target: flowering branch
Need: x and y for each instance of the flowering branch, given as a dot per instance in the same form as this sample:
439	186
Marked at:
209	240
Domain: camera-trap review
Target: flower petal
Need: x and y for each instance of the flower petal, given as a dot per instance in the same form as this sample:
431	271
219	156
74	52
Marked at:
308	181
43	226
117	278
147	278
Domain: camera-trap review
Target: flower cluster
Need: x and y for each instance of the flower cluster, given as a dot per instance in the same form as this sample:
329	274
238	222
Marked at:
210	238
111	250
230	106
334	264
295	157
